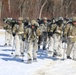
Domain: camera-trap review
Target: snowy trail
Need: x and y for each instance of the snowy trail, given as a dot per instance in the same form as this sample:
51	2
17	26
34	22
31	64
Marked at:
66	67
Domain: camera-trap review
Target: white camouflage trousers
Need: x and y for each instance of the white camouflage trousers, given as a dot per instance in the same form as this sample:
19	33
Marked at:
32	49
8	38
56	42
70	47
19	45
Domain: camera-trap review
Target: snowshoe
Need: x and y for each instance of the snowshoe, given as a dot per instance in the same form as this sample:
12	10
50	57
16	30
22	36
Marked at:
68	57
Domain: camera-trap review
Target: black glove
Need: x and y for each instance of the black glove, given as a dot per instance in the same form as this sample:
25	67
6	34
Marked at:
50	33
23	39
13	34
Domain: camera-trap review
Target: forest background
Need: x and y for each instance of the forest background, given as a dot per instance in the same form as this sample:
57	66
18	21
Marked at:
35	9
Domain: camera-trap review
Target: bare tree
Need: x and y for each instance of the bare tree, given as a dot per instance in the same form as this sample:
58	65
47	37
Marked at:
21	7
67	7
38	8
9	8
42	9
0	8
61	9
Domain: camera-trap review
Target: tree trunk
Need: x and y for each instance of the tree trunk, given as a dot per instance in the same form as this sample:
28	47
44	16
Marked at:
0	8
42	9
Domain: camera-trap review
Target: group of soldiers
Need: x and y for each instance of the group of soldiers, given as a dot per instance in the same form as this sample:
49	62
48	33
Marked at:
31	34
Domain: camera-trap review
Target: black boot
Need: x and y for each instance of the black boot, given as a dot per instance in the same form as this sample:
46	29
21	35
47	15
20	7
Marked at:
55	54
29	61
22	54
35	59
68	57
38	47
16	56
44	48
5	44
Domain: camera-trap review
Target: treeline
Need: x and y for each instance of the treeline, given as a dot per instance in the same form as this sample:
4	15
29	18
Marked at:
38	8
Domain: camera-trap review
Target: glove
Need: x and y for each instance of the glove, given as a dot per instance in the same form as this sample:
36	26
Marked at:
23	39
50	33
13	34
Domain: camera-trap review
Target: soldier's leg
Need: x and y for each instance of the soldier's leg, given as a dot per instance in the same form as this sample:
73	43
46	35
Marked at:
50	45
48	41
6	38
35	49
55	44
26	44
21	44
17	45
29	52
13	44
10	39
22	49
39	41
74	52
45	41
69	48
59	43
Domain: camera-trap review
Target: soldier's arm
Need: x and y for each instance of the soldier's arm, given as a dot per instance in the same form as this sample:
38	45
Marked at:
67	30
14	30
38	32
5	26
37	24
53	27
25	33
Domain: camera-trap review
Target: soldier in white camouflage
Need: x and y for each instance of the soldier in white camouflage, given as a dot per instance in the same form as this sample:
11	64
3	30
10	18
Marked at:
71	39
27	23
18	31
51	33
32	38
44	28
57	37
8	31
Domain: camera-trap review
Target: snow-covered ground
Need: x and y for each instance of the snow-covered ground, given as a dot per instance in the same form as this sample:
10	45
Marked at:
46	65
